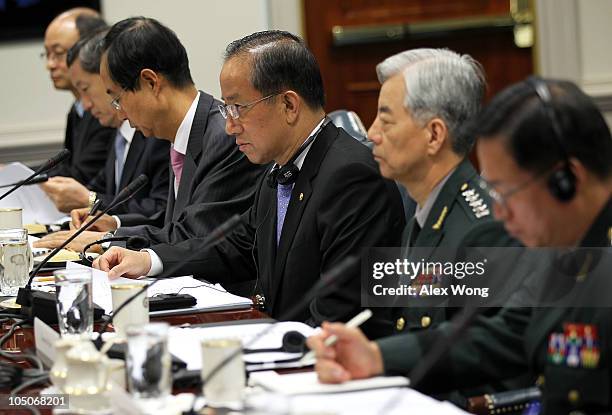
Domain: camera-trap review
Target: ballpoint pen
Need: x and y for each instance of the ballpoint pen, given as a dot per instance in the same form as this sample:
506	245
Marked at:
355	322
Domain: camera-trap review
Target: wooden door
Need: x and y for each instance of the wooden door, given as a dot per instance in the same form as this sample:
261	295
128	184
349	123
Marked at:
349	37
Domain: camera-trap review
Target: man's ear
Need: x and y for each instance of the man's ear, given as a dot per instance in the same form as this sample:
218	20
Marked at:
149	79
438	135
292	103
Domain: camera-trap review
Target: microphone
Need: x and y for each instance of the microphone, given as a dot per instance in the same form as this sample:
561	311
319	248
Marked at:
48	165
211	239
41	178
25	294
328	282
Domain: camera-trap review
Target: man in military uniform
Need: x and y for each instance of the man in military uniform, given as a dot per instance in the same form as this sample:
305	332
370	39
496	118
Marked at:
546	151
427	98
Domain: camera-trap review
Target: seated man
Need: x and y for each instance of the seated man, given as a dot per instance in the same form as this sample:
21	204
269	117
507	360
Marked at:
323	200
88	141
546	151
145	70
428	96
131	155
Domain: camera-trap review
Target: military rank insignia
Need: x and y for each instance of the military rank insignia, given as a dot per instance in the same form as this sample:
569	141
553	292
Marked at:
577	346
478	206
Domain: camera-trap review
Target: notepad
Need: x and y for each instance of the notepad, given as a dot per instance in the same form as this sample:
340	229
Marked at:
307	383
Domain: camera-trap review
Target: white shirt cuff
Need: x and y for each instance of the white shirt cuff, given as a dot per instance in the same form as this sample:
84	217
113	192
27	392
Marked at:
157	266
117	220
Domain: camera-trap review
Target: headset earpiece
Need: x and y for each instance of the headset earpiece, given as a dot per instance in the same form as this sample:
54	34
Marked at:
562	183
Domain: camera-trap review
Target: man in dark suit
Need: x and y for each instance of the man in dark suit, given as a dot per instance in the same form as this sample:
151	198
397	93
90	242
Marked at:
546	151
87	140
145	70
427	98
131	155
323	200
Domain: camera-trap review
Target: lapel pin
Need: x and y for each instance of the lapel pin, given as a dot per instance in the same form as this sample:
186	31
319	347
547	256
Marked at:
301	196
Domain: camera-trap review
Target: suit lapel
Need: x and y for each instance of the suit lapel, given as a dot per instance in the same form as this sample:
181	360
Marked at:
299	199
134	155
192	157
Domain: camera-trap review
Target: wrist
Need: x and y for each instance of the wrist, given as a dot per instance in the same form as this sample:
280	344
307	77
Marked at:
378	368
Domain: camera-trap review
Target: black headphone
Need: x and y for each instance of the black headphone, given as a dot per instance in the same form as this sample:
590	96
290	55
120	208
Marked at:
288	174
562	181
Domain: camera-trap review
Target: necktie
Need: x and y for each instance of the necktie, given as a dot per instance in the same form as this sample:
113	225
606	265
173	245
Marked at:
414	234
120	144
283	195
177	159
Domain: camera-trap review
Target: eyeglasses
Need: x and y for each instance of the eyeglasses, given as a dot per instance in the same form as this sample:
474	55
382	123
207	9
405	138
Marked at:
54	55
501	198
115	101
233	110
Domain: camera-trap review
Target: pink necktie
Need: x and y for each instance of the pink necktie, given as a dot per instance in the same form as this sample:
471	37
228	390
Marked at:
177	159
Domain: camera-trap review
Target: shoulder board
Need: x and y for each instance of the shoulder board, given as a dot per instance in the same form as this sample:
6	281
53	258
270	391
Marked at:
474	201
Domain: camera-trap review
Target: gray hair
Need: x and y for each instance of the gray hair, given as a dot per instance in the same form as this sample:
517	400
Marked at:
91	51
440	83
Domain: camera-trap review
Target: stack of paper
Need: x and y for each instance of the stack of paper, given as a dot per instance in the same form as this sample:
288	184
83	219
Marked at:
209	297
36	205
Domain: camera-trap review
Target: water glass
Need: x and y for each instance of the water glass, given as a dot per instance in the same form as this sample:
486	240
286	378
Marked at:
225	388
148	361
74	303
15	260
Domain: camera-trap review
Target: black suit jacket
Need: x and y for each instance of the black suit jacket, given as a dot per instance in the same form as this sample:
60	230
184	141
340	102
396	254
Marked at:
89	144
339	205
148	156
217	181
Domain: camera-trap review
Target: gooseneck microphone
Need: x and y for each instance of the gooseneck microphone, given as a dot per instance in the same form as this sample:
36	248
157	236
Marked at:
211	239
48	165
41	178
24	295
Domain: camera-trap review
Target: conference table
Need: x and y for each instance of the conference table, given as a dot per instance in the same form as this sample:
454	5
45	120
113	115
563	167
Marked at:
23	340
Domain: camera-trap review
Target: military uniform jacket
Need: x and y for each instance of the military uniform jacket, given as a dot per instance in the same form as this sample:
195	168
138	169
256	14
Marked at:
519	340
460	216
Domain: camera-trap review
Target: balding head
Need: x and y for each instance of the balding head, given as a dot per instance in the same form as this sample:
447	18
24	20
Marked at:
61	34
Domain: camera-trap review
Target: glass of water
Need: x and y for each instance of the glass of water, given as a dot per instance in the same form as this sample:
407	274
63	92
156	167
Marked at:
148	361
74	301
15	260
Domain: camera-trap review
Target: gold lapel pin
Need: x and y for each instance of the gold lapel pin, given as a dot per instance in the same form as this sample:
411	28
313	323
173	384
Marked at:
301	196
438	225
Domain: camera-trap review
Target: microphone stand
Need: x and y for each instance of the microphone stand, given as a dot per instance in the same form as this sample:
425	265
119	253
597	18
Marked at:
25	295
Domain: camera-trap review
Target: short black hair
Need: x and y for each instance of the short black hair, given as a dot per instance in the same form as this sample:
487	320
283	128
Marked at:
141	43
517	116
88	24
281	60
88	51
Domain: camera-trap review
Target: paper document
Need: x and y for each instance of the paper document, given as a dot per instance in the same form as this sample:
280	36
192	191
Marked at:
36	205
209	297
184	343
388	401
307	383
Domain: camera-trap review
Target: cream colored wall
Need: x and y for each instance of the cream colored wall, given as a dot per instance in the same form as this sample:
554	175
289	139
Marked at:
574	43
33	114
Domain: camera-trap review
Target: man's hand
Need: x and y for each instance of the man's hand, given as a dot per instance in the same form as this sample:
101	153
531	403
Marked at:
66	193
352	357
106	223
56	239
121	262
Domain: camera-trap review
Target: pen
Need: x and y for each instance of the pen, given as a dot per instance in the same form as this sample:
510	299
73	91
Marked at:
95	207
355	322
